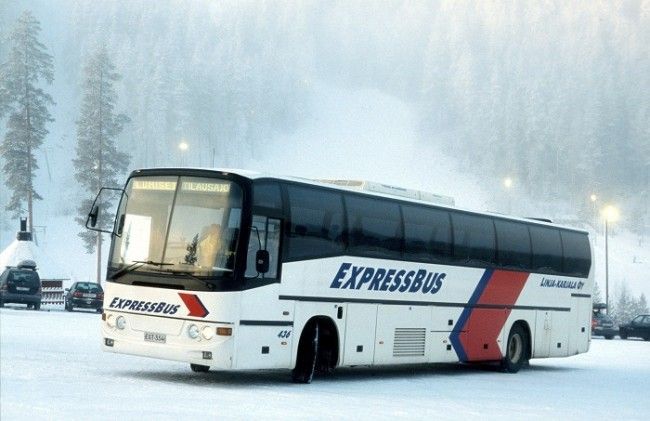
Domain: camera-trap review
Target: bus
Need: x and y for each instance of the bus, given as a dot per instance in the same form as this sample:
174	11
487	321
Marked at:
235	270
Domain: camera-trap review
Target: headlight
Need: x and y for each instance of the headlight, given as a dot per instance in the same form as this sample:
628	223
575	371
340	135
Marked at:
207	332
193	331
120	322
110	320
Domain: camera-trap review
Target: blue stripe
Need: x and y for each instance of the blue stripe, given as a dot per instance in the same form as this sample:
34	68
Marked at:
464	316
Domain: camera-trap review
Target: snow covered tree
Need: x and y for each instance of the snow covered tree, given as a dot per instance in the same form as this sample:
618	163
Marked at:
26	104
597	296
641	305
98	161
624	310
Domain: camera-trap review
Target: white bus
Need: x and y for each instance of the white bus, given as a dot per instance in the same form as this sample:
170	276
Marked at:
233	270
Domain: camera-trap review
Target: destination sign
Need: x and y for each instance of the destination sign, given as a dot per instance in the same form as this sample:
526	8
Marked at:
205	187
154	185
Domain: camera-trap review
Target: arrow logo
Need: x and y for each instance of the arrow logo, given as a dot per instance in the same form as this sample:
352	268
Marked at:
194	304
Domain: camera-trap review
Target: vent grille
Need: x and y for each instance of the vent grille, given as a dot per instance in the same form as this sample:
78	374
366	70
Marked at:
409	342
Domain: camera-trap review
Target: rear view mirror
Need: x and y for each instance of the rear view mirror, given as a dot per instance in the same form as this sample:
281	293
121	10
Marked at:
92	216
99	217
262	259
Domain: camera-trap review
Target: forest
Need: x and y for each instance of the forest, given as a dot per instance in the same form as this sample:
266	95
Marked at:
552	93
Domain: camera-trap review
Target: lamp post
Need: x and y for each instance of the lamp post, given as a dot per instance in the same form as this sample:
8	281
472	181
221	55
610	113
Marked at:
507	183
610	214
594	198
183	146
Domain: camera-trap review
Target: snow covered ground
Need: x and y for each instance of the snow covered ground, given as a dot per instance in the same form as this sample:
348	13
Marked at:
51	367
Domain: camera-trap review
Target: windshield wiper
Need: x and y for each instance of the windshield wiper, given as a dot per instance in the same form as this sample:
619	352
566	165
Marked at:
136	264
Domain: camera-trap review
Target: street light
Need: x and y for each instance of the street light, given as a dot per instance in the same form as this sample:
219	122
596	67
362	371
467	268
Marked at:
610	214
183	146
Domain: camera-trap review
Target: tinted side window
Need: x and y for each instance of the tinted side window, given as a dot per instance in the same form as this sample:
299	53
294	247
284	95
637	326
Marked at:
473	239
427	234
547	249
267	195
577	257
316	227
375	227
513	244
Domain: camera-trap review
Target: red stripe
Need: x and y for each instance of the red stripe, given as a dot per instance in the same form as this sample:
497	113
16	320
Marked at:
482	328
194	305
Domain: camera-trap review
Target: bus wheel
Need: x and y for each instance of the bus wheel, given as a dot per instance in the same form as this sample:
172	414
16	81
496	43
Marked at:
307	355
198	368
516	350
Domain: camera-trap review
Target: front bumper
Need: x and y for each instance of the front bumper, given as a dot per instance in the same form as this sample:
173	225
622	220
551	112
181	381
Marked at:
215	352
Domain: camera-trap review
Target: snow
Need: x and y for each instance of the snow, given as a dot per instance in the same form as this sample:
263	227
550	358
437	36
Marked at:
18	251
52	367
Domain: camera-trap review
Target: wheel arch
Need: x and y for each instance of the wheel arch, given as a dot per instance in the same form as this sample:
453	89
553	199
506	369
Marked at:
330	343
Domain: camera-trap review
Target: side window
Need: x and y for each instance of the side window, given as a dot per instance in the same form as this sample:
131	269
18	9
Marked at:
265	232
374	227
316	227
513	244
473	239
576	255
266	194
427	234
547	249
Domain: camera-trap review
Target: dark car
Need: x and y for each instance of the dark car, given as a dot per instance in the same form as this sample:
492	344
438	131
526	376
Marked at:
639	327
603	325
84	295
22	285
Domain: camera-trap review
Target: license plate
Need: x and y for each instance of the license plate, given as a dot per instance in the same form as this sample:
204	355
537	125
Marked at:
89	295
159	338
22	289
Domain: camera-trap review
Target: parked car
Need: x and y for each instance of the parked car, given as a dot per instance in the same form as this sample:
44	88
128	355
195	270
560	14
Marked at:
21	284
603	325
639	327
84	295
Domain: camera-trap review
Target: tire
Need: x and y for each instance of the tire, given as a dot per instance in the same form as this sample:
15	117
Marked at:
198	368
37	306
2	303
307	355
99	310
623	335
516	355
609	337
68	307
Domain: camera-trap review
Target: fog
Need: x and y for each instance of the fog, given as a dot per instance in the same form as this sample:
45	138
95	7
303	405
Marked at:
450	97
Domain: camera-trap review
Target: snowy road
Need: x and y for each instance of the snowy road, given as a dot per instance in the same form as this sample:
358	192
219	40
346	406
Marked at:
51	367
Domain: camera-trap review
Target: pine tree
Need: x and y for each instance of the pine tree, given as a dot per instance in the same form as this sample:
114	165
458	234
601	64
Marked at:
98	162
597	296
26	104
641	305
624	310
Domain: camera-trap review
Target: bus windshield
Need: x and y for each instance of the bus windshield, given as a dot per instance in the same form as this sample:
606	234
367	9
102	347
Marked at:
186	225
